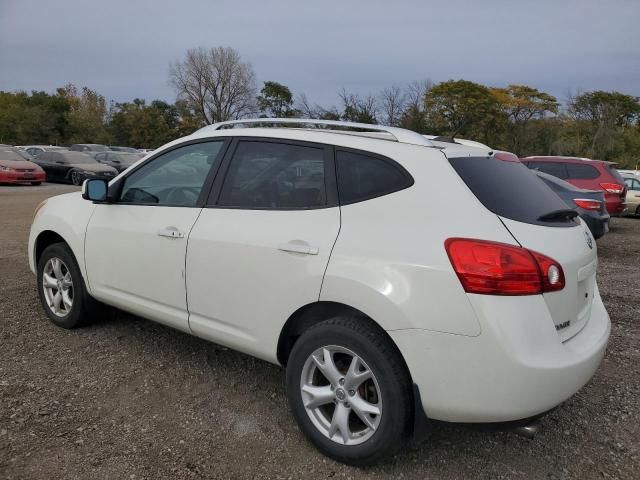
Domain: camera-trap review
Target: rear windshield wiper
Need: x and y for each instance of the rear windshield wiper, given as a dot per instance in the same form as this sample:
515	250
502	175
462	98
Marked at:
562	214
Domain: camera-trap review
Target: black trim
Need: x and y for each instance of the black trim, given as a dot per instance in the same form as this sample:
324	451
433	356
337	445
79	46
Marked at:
391	162
422	426
115	190
331	189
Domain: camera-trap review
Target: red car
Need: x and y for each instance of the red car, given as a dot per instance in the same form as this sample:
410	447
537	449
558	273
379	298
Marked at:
588	174
16	169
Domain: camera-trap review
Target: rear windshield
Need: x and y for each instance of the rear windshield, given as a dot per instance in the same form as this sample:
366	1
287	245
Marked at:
511	190
616	174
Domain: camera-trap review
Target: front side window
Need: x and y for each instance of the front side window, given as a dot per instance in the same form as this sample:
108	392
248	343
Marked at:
267	175
361	176
632	184
174	178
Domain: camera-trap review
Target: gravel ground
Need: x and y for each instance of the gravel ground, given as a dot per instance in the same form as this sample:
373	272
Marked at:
127	398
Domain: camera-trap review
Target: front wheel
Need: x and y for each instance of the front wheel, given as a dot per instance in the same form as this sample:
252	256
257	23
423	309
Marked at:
61	288
350	391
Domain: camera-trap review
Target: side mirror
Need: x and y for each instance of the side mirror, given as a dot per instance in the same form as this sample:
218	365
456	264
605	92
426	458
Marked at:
95	189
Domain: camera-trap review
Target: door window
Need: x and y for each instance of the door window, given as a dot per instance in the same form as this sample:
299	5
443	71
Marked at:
267	175
174	178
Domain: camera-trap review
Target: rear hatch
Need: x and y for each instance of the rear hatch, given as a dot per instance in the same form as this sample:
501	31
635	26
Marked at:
538	220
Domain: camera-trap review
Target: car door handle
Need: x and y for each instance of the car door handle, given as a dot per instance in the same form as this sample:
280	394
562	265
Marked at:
297	247
171	232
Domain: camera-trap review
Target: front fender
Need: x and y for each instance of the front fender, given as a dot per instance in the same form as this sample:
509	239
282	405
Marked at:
67	216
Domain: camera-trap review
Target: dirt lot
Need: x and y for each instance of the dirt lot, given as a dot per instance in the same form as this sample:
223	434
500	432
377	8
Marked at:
127	398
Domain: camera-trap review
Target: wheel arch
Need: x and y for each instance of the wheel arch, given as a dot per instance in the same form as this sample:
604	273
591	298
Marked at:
44	239
313	313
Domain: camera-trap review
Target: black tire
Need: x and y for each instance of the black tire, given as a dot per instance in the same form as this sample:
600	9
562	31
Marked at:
83	308
75	177
35	184
386	363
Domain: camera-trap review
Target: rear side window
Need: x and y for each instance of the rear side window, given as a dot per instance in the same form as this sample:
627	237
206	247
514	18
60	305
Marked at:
361	177
581	171
268	175
510	190
555	169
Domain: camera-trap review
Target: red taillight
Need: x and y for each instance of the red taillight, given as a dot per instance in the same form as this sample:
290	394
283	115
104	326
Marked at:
588	204
612	187
493	268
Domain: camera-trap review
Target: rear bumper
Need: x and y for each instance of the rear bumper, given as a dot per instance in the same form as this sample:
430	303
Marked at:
615	206
516	368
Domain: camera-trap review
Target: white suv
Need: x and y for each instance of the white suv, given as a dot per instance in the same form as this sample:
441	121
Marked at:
397	278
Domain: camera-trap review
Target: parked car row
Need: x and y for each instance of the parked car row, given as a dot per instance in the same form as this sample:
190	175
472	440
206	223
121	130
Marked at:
34	164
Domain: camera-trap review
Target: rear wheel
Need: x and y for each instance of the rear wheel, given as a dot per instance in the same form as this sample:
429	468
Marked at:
76	177
350	391
61	288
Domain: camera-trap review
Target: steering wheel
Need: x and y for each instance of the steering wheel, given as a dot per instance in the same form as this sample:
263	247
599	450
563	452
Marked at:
182	196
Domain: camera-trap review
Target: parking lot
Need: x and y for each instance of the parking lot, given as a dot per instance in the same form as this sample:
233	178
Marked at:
128	398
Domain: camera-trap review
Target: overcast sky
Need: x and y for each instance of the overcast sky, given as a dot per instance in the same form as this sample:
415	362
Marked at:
122	48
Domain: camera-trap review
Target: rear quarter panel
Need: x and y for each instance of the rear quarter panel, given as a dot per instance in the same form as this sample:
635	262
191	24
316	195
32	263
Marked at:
389	260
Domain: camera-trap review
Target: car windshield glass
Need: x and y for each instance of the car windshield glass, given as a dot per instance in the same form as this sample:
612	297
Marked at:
76	157
511	190
11	155
614	171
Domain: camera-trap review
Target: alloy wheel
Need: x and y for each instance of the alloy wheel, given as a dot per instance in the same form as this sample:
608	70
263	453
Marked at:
57	285
341	395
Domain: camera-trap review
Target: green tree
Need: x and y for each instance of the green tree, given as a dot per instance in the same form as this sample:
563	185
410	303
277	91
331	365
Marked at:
603	120
275	101
139	125
463	108
521	104
87	115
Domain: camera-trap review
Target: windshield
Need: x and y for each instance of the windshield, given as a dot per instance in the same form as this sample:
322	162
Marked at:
511	190
11	155
76	157
616	174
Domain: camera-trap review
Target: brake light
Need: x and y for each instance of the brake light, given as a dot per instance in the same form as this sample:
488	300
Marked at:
506	157
588	204
492	268
612	187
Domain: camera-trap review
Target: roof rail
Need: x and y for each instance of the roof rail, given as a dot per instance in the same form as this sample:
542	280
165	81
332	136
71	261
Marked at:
401	135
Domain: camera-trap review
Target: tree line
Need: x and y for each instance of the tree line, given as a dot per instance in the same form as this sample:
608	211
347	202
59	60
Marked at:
216	84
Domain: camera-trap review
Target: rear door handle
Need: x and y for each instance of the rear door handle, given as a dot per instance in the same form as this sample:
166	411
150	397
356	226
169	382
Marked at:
171	232
298	248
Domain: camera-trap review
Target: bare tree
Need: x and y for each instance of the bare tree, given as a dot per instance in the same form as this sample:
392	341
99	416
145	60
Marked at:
306	110
358	109
416	91
215	83
392	103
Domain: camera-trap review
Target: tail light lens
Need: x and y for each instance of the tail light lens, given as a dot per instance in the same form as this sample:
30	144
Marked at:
588	204
492	268
612	188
